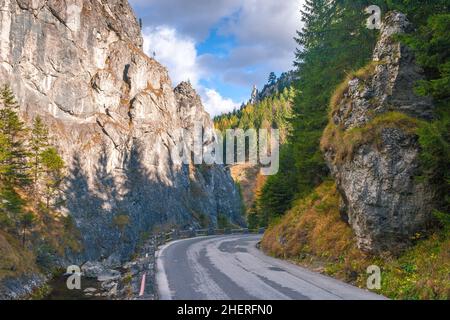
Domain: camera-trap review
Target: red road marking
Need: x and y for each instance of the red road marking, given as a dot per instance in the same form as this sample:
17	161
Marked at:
141	293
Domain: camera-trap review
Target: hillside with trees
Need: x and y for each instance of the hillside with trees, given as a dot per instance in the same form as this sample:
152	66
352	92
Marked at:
273	111
92	129
333	44
33	234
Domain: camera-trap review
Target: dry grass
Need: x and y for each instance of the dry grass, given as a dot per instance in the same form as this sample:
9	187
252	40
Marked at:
345	143
248	176
50	229
362	74
313	235
14	260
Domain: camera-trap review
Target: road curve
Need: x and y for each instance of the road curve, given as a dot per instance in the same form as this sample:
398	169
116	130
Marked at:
232	268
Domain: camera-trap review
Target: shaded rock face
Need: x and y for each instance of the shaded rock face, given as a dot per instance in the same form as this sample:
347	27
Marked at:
115	117
17	288
382	200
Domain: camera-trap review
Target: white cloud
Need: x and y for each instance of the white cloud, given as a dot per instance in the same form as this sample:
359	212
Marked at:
263	32
215	104
174	51
271	23
193	17
179	55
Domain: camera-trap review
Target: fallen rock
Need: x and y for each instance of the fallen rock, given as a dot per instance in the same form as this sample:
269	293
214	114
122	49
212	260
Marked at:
108	285
92	269
108	275
113	261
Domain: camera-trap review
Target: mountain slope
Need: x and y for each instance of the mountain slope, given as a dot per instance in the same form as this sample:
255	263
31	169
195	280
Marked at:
80	66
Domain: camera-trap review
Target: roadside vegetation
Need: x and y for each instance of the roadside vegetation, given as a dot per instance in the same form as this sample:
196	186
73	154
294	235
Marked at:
33	234
300	205
312	234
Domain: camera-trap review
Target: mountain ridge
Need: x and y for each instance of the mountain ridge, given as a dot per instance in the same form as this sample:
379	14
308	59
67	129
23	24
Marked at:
79	65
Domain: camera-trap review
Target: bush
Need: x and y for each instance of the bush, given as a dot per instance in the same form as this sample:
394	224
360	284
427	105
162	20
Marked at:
223	222
121	221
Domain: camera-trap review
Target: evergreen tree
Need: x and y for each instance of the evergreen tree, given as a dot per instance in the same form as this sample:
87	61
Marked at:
272	78
272	112
278	192
333	42
431	44
418	11
253	217
13	153
39	142
53	166
11	207
26	223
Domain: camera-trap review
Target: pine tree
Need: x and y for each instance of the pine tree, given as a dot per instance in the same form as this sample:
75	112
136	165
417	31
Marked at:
26	223
253	217
53	166
11	207
278	191
39	142
431	44
418	11
333	42
272	78
13	153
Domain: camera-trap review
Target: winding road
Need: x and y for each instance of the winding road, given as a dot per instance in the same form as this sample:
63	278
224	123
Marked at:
232	268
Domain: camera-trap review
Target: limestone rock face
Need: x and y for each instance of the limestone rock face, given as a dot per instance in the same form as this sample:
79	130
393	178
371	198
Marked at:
382	199
114	114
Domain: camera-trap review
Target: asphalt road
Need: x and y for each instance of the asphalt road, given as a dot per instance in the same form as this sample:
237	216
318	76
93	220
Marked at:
232	268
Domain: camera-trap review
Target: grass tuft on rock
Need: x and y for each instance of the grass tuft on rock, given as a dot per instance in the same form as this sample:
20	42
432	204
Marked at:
362	74
344	144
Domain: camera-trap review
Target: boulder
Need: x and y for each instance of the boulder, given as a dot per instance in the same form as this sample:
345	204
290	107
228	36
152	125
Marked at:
108	275
92	269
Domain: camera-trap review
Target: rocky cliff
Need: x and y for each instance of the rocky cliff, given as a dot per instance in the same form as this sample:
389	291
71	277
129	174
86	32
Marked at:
115	116
372	147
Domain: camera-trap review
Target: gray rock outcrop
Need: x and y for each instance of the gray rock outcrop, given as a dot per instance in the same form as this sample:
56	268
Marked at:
114	114
23	286
382	199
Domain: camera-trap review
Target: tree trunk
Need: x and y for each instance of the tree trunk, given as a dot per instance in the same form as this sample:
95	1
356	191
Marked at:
23	237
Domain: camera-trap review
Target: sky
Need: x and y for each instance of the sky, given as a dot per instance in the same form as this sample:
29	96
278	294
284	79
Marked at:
223	47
